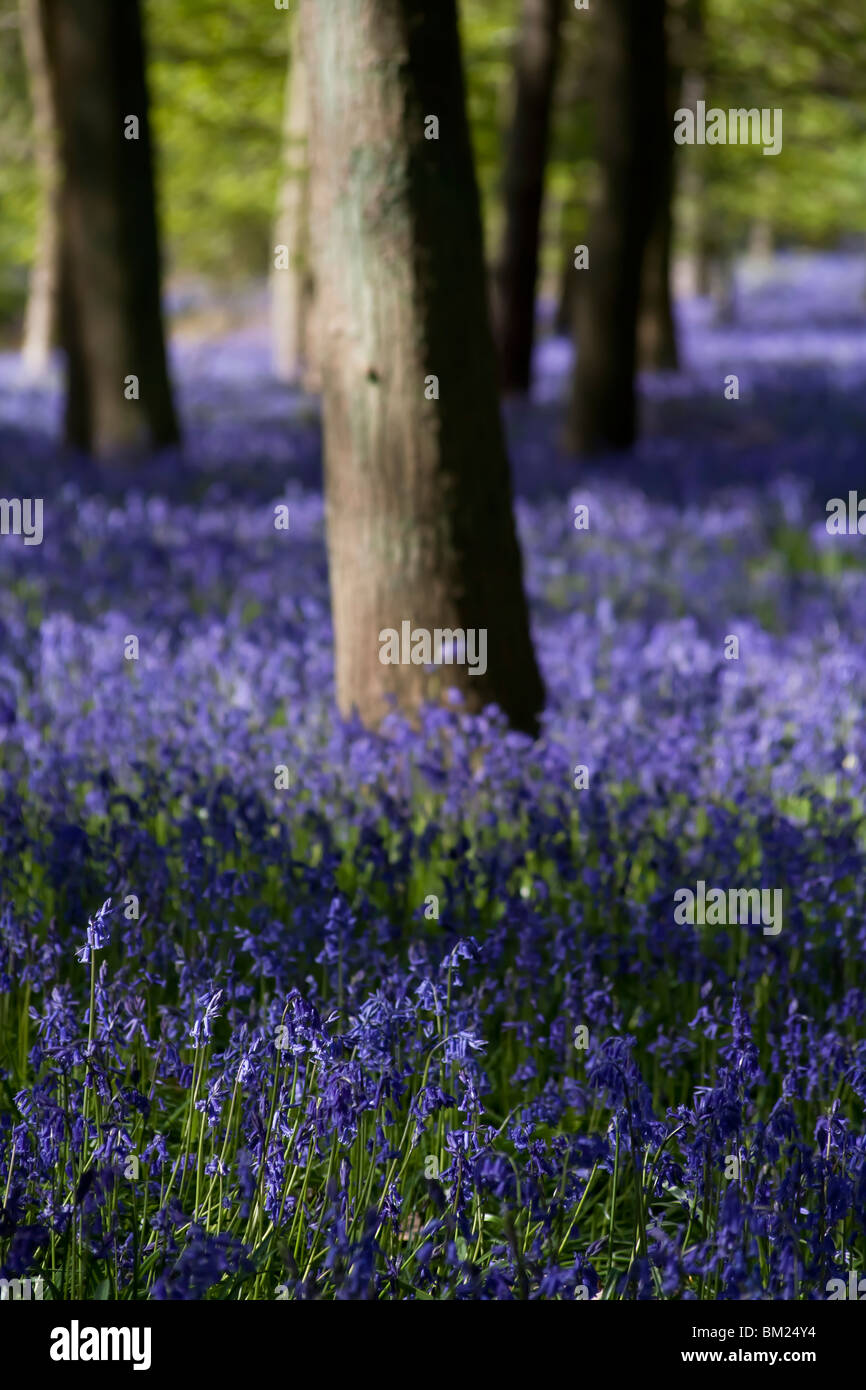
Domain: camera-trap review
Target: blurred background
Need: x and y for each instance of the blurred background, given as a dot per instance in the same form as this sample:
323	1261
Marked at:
218	83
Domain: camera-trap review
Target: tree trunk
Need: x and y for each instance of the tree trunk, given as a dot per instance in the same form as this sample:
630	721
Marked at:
723	286
43	299
657	340
762	241
631	106
111	315
292	287
657	335
696	221
535	64
418	493
690	32
566	306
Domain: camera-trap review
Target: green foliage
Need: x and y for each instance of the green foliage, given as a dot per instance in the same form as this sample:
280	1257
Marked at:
217	76
806	58
17	183
489	28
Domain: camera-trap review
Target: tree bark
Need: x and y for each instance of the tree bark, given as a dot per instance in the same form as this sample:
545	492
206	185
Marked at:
630	105
762	240
535	64
418	493
292	288
691	41
566	304
111	314
41	317
657	335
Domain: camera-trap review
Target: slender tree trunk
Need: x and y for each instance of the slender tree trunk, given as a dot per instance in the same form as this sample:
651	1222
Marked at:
703	265
694	183
566	307
691	42
714	248
657	336
761	239
723	284
418	493
43	300
631	121
535	64
111	315
292	286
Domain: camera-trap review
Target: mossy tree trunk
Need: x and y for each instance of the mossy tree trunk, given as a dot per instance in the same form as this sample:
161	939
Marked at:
418	493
